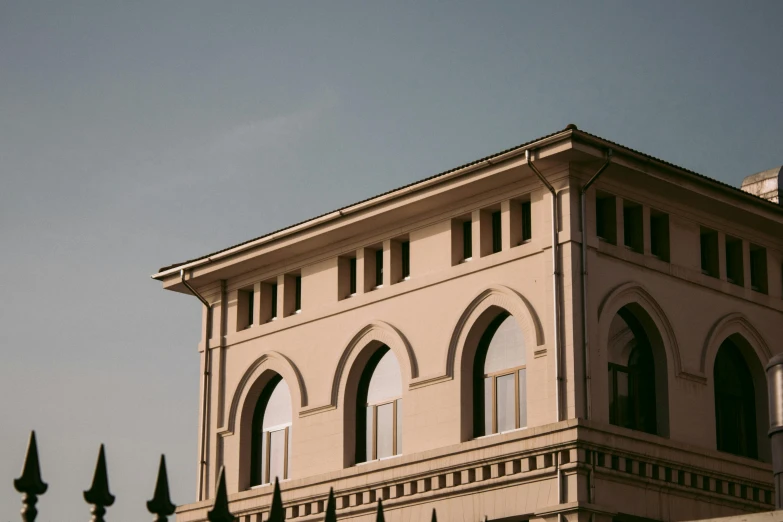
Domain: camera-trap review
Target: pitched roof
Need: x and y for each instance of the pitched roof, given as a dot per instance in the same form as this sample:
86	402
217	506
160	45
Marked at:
570	127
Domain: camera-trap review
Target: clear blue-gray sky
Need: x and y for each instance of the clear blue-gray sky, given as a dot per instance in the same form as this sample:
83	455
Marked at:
137	134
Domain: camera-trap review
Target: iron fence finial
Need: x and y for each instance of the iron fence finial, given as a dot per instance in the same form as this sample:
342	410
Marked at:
276	511
98	495
220	511
30	483
379	514
434	516
331	508
160	504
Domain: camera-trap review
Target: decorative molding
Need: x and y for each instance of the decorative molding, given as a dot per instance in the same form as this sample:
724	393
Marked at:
277	363
633	292
501	297
726	326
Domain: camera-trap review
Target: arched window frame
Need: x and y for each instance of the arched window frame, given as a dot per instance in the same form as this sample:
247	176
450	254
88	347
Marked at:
261	439
367	413
485	385
639	377
746	443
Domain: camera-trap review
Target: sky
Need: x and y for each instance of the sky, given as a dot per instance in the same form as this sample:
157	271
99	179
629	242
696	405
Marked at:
134	135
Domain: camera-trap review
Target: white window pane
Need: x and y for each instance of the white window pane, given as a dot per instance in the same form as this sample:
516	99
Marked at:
260	463
386	382
369	441
276	455
507	347
506	403
399	426
488	405
288	450
278	409
522	398
385	431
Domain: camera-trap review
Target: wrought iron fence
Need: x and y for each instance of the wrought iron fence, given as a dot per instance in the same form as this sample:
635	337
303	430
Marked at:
31	486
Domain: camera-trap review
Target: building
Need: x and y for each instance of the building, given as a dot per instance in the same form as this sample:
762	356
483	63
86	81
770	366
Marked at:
450	344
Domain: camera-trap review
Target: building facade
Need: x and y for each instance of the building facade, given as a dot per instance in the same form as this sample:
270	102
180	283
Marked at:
474	344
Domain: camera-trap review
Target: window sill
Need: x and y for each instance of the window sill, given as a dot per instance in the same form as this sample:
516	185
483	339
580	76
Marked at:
378	460
499	433
266	484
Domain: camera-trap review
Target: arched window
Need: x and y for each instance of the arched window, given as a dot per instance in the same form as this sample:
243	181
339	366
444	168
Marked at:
379	408
271	442
499	378
632	396
735	403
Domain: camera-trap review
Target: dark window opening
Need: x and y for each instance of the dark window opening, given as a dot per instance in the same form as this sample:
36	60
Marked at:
497	236
633	227
758	268
527	224
378	267
352	275
659	235
734	269
709	252
298	294
405	248
467	240
632	399
245	312
606	218
735	403
250	296
274	300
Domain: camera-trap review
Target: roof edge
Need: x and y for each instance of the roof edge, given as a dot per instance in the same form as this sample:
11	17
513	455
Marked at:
367	203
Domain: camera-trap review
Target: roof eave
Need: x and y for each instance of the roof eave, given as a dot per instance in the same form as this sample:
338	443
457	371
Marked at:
378	200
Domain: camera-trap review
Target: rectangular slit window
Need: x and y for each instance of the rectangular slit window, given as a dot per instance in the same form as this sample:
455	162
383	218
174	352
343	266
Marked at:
758	268
378	267
709	252
298	294
405	247
606	218
659	235
245	312
273	291
352	276
467	240
633	228
250	296
734	269
497	238
527	225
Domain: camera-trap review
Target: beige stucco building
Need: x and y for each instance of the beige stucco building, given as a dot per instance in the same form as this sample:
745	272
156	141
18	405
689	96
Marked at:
445	345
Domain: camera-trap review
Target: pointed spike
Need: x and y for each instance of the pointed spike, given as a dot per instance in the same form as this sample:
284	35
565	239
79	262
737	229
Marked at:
160	504
379	514
331	508
434	516
30	482
99	495
220	511
276	511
